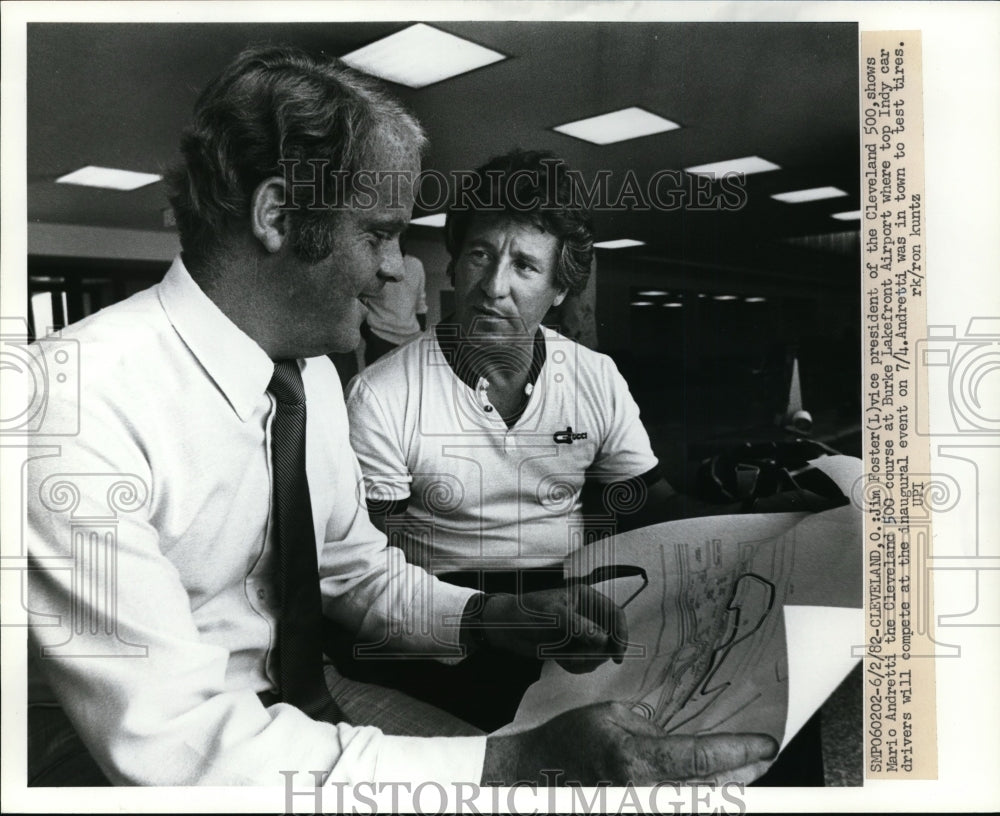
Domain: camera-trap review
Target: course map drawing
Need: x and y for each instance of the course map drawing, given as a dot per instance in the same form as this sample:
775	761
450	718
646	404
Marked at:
708	601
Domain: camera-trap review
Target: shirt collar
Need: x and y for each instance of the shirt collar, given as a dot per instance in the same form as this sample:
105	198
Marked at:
447	335
239	367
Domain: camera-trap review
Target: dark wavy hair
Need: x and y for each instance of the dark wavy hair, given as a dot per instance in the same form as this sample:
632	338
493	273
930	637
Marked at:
274	108
530	186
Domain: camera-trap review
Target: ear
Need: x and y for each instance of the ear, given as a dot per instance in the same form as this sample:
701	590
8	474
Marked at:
560	298
268	218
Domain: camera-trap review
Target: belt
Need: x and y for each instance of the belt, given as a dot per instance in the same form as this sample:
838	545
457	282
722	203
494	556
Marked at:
512	582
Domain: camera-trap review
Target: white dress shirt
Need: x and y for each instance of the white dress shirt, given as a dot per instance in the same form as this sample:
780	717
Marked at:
153	597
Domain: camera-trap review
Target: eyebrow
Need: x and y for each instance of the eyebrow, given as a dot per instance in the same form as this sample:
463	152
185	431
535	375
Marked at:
390	224
523	255
517	254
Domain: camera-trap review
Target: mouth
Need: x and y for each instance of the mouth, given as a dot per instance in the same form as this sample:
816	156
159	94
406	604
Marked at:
486	312
369	293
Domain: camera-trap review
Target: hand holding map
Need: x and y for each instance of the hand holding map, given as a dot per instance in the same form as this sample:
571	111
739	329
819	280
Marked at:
716	608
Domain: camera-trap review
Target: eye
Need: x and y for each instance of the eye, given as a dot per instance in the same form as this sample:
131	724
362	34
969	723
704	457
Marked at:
524	266
477	256
379	237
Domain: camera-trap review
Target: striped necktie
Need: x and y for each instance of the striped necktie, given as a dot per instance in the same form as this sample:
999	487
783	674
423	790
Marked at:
300	621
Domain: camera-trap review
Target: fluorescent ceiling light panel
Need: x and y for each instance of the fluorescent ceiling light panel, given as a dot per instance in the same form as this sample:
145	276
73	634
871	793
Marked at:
436	220
653	293
746	165
419	56
724	297
673	305
617	126
642	303
755	299
812	194
109	178
618	243
852	215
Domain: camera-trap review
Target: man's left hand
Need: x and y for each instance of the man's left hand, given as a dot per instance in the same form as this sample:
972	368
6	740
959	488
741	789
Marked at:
576	625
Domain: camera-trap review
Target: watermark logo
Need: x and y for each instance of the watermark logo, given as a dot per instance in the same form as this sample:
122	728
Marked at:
971	363
48	373
318	185
554	795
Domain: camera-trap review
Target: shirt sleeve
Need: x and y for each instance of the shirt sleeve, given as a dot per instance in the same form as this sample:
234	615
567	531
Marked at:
376	438
625	451
113	637
369	587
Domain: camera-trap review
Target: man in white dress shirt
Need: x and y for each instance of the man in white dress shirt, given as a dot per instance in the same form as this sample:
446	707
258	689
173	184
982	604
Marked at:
155	584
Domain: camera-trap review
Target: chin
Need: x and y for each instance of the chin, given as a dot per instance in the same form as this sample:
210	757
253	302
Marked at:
343	343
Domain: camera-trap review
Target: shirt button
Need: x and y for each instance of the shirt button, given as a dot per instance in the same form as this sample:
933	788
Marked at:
487	408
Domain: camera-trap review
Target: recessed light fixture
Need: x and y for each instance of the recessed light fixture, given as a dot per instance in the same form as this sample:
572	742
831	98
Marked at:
724	297
702	295
642	303
436	220
755	299
653	293
618	243
746	165
419	56
617	126
109	178
851	215
812	194
673	305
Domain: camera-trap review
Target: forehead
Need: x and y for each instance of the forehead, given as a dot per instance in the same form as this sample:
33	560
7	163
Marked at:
521	233
383	196
389	177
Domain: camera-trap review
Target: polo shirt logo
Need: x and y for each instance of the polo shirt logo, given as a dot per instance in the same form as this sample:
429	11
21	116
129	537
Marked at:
566	437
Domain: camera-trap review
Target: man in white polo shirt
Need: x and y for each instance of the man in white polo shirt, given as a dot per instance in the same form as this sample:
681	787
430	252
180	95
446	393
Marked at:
493	446
478	440
481	441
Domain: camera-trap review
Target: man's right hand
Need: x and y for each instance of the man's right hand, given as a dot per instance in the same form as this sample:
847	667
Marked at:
607	742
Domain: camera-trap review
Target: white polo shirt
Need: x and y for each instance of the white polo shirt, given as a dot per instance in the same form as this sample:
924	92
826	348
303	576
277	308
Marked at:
481	494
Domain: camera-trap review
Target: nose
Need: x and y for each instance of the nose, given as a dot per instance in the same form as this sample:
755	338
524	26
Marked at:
391	262
495	282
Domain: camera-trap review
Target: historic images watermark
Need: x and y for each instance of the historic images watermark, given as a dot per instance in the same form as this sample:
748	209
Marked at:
44	373
555	795
47	368
317	184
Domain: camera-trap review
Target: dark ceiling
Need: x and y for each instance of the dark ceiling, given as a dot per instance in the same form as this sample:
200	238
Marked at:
118	95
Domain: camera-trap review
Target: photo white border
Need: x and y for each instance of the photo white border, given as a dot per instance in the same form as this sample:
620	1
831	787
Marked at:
961	55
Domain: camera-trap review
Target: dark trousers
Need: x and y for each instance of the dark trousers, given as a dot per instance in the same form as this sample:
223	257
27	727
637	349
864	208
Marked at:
486	688
57	756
